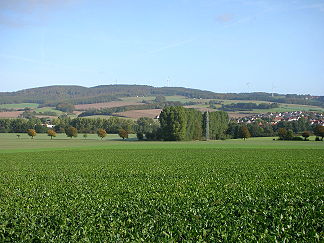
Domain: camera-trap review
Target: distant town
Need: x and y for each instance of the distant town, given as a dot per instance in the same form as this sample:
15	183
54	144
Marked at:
314	118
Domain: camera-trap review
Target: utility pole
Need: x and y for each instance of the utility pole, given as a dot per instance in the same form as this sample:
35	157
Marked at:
207	126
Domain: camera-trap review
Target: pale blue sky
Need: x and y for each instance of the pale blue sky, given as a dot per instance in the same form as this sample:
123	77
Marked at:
217	45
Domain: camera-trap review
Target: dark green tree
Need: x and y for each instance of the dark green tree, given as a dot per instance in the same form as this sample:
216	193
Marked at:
289	135
173	123
244	132
123	133
65	107
218	124
194	124
306	135
140	136
282	133
71	132
145	125
319	131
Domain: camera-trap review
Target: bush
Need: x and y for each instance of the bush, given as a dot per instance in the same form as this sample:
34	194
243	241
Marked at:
71	132
101	133
140	136
297	139
123	133
31	132
155	135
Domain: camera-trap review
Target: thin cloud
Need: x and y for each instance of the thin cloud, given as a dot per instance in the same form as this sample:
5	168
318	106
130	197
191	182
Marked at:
19	13
224	18
318	6
172	45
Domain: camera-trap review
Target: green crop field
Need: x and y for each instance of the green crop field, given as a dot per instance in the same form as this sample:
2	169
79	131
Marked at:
72	190
49	109
19	106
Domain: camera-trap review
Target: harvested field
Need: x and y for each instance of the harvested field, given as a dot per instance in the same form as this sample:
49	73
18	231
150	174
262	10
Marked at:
77	112
199	108
152	113
10	114
105	105
239	115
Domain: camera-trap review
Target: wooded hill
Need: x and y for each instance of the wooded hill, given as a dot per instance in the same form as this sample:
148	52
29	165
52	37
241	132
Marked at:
52	95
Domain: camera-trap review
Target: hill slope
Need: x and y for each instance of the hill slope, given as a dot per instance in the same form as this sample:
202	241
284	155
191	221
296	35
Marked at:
52	95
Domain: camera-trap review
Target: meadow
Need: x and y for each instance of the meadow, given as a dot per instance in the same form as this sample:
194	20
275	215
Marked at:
71	190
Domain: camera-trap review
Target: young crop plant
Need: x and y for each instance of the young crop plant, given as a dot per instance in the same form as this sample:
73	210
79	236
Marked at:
169	192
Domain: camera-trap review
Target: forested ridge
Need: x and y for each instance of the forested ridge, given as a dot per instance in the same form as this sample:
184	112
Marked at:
52	95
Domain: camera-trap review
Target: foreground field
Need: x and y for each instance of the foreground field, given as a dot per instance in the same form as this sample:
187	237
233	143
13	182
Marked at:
163	192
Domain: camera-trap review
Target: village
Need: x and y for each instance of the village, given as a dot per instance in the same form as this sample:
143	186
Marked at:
315	118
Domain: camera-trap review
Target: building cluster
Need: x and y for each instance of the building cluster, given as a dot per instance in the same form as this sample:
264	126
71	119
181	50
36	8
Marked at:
315	118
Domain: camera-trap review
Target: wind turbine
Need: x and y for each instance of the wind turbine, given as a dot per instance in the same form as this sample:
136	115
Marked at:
272	89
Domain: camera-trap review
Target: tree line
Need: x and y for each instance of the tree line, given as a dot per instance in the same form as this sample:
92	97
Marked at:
285	130
175	123
248	106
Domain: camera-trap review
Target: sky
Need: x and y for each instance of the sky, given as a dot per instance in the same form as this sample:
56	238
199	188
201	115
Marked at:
216	45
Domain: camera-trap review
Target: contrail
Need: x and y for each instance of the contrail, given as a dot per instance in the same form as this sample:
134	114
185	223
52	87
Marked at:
172	45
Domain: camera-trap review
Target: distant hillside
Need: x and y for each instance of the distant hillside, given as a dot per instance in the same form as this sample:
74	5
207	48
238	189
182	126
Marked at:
51	95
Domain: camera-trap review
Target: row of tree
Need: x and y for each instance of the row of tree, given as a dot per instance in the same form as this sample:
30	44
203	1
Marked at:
248	106
83	125
242	130
73	132
178	123
264	128
175	123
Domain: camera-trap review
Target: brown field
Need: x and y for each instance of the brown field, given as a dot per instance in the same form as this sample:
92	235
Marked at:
10	114
135	114
77	112
239	115
199	108
105	105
